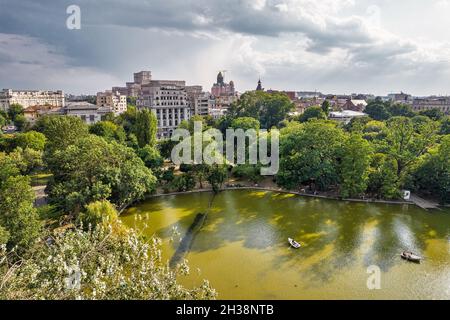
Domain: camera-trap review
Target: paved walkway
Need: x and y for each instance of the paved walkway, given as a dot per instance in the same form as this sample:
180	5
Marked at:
424	204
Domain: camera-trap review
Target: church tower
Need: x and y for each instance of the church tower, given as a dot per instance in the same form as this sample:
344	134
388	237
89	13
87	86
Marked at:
259	87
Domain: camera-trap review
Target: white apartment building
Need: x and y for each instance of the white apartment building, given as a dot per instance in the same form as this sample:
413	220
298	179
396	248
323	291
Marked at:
168	100
28	98
112	99
88	112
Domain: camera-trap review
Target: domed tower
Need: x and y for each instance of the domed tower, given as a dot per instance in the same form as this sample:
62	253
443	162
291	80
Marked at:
220	78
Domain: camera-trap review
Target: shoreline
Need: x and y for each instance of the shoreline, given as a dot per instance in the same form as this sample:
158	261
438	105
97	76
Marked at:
396	202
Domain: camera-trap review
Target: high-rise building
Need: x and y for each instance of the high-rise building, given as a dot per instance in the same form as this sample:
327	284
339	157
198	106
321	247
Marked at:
29	98
142	77
113	99
168	100
133	89
193	92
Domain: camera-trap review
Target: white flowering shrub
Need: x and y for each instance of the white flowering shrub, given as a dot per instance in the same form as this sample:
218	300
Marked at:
95	264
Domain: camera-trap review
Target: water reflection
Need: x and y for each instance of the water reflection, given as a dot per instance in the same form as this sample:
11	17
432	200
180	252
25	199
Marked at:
242	249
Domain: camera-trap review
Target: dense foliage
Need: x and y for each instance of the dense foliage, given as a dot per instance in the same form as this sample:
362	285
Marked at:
93	169
97	170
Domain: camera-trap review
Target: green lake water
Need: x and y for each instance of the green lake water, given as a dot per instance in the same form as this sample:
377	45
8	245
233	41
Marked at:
242	248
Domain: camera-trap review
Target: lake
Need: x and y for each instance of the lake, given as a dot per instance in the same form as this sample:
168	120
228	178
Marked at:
242	248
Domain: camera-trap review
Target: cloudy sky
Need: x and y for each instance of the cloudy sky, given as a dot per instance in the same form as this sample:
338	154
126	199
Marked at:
340	46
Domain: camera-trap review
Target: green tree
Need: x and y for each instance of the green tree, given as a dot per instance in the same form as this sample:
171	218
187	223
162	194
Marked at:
434	114
17	214
109	131
61	131
326	107
128	119
248	171
93	169
4	236
184	182
3	121
269	108
313	113
145	128
309	154
355	165
375	131
217	175
377	110
357	124
14	111
383	180
21	123
27	160
245	123
445	126
31	139
433	175
8	168
151	157
102	213
189	125
406	142
401	110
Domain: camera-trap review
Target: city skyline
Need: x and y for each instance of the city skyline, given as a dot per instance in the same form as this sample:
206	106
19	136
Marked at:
339	46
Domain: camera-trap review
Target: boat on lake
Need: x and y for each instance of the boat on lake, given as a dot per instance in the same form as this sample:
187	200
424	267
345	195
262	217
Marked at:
410	256
294	243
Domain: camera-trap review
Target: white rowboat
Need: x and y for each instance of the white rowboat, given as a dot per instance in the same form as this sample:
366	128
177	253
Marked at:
294	243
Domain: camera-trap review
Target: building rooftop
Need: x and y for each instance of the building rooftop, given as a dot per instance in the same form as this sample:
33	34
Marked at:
358	102
346	114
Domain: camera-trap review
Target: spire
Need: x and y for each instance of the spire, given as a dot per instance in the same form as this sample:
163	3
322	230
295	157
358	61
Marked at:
259	87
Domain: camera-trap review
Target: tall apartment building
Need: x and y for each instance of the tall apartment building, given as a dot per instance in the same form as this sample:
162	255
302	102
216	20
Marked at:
168	100
200	102
113	99
204	104
28	98
192	93
441	103
142	77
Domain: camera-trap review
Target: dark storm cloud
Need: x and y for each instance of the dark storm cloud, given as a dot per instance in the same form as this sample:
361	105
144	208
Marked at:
190	38
46	19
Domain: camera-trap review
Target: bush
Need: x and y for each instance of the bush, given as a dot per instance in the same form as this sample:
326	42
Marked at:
96	265
17	214
101	213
